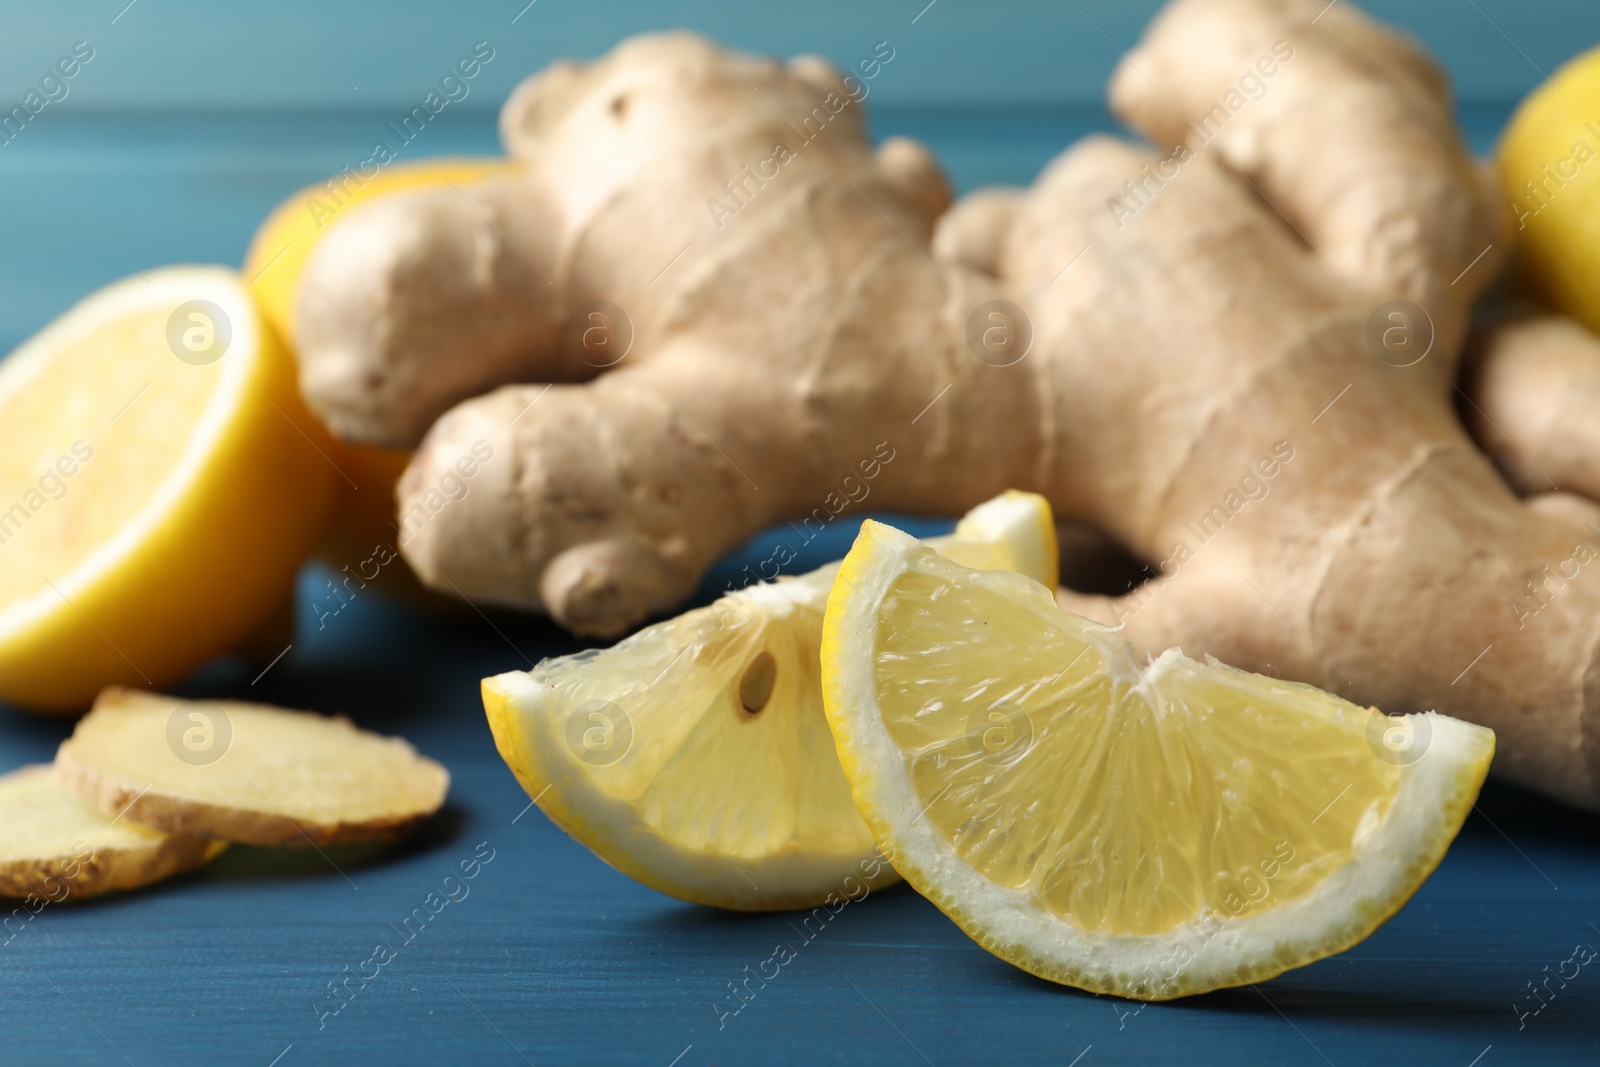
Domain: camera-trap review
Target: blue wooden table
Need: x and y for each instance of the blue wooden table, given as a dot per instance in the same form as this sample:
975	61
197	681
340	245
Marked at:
553	958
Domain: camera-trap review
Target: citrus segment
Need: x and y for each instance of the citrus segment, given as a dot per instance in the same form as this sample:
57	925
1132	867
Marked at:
1149	830
694	755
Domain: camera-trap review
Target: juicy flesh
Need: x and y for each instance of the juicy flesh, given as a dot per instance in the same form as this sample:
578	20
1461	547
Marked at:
1122	801
702	769
119	394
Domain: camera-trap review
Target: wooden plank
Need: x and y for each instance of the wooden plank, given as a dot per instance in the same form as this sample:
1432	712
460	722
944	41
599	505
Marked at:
190	54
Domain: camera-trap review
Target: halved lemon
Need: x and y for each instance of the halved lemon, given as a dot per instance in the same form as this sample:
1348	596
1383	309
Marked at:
1148	830
160	484
694	756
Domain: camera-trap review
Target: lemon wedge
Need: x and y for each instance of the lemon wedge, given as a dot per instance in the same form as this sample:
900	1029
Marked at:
160	484
1147	830
694	755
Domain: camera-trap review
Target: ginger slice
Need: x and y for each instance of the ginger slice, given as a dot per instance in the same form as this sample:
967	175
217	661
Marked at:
55	845
248	773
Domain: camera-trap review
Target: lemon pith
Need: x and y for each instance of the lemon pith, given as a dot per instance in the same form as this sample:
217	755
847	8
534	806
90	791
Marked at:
695	757
1150	831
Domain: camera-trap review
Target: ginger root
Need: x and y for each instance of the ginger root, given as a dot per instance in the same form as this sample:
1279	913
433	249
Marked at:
1235	352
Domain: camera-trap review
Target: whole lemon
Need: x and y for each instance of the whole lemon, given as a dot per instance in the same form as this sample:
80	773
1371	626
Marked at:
1549	170
362	520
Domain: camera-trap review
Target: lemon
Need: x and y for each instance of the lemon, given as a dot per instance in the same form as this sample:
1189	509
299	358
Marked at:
694	755
1549	170
160	484
284	242
363	511
362	533
1147	830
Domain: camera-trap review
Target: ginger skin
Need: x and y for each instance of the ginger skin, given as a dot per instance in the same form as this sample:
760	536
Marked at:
775	346
1213	326
1534	388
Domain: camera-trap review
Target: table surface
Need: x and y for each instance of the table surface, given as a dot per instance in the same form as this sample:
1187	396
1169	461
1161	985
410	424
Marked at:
553	957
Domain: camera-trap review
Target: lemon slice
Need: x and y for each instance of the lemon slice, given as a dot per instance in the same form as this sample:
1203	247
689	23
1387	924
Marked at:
1145	830
160	484
694	755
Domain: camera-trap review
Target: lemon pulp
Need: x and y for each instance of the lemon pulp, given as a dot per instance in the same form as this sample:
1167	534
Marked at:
137	418
696	756
1048	759
1150	830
